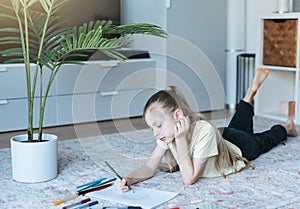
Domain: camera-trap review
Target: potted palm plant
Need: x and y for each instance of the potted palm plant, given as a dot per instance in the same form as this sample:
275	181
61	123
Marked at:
42	43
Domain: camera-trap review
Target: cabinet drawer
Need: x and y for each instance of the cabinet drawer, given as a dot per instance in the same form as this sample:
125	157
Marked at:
98	76
13	81
14	114
135	74
101	106
76	79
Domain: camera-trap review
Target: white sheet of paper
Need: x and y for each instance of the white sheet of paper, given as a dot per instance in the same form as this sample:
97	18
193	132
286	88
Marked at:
143	197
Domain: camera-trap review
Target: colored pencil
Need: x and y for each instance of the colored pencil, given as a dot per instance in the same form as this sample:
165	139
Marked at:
95	189
77	203
83	192
97	184
87	205
115	172
65	200
91	183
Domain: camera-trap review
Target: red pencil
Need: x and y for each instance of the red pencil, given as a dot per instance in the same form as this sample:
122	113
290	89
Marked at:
95	189
77	203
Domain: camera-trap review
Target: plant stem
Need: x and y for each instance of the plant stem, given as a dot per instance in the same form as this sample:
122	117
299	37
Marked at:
25	48
43	104
42	108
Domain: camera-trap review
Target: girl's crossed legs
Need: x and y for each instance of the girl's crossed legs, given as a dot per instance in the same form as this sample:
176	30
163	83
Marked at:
240	129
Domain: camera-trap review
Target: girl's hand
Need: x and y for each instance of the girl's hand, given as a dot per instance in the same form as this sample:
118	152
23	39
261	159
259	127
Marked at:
121	185
182	127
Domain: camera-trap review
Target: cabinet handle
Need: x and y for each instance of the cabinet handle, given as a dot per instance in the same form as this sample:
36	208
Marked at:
3	102
109	93
3	69
109	64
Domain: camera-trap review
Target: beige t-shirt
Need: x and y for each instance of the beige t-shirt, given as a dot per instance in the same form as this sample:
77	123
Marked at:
204	145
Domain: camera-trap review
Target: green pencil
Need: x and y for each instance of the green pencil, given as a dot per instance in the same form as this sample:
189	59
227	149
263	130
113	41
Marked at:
115	172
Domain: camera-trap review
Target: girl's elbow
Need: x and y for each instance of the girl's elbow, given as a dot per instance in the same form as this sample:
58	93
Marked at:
189	181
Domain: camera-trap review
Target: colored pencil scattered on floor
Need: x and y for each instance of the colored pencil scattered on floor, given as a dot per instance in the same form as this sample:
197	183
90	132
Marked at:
65	200
97	185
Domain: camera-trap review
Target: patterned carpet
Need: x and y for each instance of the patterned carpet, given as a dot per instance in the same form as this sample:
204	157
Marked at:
273	184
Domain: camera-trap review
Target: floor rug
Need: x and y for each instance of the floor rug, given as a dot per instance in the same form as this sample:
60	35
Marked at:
273	184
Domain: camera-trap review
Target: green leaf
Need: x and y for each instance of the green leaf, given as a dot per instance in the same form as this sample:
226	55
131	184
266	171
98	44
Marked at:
10	30
10	38
140	28
114	54
30	2
2	15
14	60
46	6
11	52
58	5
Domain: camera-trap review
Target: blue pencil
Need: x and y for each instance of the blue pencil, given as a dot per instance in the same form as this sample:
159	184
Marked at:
96	185
91	183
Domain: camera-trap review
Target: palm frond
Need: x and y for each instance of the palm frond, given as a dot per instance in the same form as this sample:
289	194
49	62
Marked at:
90	36
10	40
12	52
139	28
9	30
8	16
46	4
58	5
114	54
36	22
7	7
29	3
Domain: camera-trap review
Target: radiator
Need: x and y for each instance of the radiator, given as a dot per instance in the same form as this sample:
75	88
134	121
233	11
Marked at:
245	73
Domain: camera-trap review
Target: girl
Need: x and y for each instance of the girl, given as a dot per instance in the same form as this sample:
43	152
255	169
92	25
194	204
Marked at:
198	147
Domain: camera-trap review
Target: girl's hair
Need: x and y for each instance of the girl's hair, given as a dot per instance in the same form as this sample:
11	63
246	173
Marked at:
172	98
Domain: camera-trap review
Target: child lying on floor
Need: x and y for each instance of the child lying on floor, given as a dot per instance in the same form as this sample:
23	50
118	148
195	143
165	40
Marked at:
199	148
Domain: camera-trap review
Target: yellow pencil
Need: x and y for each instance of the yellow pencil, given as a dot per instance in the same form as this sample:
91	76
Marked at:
65	200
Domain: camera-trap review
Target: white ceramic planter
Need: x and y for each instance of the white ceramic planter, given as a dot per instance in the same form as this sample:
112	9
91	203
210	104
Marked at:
34	162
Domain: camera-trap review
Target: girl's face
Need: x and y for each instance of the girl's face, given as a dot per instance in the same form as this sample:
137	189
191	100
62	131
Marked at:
161	121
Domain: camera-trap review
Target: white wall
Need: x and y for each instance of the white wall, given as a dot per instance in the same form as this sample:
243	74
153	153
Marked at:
243	26
152	12
254	10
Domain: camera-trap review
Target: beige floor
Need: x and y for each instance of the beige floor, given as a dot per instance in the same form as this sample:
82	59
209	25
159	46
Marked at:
94	129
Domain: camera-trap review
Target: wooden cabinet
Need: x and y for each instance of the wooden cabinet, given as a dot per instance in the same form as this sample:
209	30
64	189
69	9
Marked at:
279	52
99	90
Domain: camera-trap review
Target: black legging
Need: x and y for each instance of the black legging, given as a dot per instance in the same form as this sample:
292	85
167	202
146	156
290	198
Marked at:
240	133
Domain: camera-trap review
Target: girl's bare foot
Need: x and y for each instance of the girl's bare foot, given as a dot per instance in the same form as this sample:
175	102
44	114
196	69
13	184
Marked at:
260	75
290	128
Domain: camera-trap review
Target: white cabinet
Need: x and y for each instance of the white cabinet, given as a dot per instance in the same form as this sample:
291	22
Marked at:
279	52
98	90
102	90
